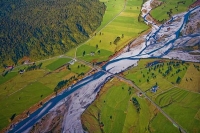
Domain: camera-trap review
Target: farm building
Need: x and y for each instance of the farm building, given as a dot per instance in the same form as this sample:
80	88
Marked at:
154	89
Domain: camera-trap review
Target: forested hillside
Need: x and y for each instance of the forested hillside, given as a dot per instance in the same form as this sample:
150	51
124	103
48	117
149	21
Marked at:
42	28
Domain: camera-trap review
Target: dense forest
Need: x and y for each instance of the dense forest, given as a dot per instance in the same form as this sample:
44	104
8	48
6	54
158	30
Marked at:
43	28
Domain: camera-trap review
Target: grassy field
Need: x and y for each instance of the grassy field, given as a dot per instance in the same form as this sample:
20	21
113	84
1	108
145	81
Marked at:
97	57
15	88
182	106
191	79
166	126
116	112
160	13
56	64
125	25
164	74
21	101
19	82
176	99
10	75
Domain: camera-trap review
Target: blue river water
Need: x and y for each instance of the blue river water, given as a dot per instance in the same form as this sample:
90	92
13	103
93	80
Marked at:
41	112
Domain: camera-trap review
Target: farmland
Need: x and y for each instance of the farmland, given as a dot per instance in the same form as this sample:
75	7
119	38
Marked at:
120	20
21	101
113	111
177	103
56	64
118	107
175	97
17	88
171	6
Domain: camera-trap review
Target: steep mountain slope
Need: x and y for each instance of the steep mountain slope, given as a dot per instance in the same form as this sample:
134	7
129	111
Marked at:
42	28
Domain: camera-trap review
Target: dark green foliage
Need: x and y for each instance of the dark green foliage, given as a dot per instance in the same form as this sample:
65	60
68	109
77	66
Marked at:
178	80
43	28
83	53
136	104
34	67
116	40
12	117
60	85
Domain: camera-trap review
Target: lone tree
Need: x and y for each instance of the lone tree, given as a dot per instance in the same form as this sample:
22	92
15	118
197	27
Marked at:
116	40
97	46
178	80
99	51
83	53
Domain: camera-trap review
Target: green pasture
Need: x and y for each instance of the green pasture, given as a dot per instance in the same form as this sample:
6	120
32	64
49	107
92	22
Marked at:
161	124
35	84
146	77
191	78
97	57
182	106
71	52
21	101
9	76
113	8
125	25
58	63
18	82
114	109
78	68
52	79
47	62
160	13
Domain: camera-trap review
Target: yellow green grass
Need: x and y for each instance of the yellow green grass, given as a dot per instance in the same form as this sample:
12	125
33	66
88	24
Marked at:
160	12
10	75
182	106
52	79
58	63
71	52
97	57
21	101
35	84
114	109
166	126
155	75
19	82
191	79
125	25
197	116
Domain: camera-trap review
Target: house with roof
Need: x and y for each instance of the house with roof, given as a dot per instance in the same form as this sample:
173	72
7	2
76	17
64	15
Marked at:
154	89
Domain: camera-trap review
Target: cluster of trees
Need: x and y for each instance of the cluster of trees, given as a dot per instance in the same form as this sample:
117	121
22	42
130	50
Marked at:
43	28
136	104
63	83
60	85
171	65
34	67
